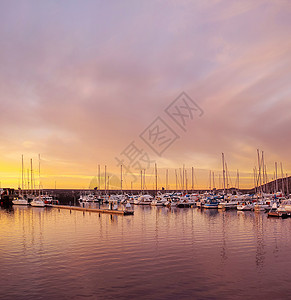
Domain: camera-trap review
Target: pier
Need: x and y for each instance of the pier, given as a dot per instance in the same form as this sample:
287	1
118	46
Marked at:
96	210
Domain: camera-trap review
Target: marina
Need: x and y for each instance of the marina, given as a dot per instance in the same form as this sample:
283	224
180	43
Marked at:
145	150
158	253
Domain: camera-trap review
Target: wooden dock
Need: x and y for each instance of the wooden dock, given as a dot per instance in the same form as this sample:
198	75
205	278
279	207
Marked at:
95	210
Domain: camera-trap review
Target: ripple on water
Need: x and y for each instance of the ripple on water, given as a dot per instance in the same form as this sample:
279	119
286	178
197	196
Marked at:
158	253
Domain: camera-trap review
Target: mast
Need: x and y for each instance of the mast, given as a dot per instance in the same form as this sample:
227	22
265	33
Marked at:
213	182
141	181
282	189
227	175
176	180
192	177
223	173
183	178
32	185
287	185
28	186
210	181
39	174
99	179
186	180
237	174
22	173
121	178
276	177
144	179
255	179
259	178
267	180
263	167
156	173
105	178
167	175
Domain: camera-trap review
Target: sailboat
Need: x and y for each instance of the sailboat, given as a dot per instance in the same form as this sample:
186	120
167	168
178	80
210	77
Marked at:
261	204
38	201
20	200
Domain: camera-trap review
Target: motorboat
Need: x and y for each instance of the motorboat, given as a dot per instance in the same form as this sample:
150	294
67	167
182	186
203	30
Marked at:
285	206
228	204
274	212
144	200
119	198
37	202
245	206
49	200
211	203
87	198
19	201
159	200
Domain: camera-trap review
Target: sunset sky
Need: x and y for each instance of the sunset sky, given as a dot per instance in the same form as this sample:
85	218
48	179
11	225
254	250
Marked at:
81	80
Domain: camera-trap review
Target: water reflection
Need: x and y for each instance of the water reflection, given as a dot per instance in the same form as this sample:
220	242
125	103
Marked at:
157	253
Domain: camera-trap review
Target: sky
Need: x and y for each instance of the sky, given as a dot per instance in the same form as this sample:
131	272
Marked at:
82	81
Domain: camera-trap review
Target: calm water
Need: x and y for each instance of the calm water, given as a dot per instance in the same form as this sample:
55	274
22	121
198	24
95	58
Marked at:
158	253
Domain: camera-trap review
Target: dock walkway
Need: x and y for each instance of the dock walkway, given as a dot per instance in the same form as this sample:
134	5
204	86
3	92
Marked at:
97	210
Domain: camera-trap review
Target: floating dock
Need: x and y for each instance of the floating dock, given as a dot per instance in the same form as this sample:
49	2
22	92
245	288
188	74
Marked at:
96	210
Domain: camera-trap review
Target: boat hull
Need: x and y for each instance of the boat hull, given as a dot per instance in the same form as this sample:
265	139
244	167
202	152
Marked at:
20	202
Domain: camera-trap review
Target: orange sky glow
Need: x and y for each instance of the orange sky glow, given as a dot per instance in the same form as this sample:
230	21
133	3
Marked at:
81	82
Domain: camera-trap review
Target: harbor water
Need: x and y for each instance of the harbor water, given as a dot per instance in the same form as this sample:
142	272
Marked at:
158	253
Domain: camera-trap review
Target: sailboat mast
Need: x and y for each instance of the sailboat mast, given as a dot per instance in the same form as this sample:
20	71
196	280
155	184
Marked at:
260	172
144	179
223	173
167	174
31	176
287	185
263	167
99	179
141	182
39	174
156	173
105	178
121	178
227	175
183	178
255	179
176	180
186	180
28	186
237	173
192	177
276	176
213	182
282	179
267	180
22	172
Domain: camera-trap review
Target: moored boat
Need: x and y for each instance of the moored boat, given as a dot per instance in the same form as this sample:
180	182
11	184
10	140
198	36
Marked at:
37	202
19	201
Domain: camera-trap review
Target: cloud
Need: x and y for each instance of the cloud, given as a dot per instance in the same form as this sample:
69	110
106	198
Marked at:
80	82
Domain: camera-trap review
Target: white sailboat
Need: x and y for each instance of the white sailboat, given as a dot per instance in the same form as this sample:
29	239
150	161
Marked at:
38	201
20	200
